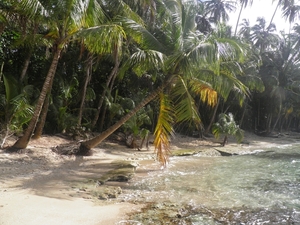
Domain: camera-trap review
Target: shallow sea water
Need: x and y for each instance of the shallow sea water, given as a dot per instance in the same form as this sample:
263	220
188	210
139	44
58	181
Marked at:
261	188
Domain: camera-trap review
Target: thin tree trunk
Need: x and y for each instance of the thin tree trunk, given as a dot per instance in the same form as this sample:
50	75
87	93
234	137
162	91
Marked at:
278	117
271	21
85	146
86	82
23	141
108	83
101	125
238	20
225	140
111	85
25	66
213	117
243	115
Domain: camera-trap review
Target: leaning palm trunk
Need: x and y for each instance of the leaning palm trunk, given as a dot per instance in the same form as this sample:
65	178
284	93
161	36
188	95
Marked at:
43	115
41	123
23	141
87	145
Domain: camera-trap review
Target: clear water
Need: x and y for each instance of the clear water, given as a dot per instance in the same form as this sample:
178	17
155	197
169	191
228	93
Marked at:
262	188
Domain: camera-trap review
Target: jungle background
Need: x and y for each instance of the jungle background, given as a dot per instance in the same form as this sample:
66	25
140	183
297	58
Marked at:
140	67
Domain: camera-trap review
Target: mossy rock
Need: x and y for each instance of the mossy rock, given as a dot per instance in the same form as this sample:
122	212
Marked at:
124	171
108	192
184	152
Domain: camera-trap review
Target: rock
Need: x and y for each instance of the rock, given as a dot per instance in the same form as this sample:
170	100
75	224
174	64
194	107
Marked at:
124	172
184	152
223	153
108	192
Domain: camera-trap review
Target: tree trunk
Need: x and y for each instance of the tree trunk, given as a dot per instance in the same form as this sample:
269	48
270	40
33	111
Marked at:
23	141
101	125
43	116
225	141
111	85
276	122
238	20
25	66
243	114
108	83
213	117
85	146
86	82
41	123
271	21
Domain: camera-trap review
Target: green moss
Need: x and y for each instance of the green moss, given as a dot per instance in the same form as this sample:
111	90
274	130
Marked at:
185	152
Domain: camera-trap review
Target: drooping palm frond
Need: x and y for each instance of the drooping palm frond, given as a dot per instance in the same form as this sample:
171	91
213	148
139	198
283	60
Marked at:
206	93
103	39
32	7
141	35
184	103
120	8
142	61
164	130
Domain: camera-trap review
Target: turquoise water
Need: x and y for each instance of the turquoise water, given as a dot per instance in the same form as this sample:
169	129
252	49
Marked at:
262	188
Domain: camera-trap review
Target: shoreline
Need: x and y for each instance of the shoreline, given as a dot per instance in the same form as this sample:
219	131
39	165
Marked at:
41	187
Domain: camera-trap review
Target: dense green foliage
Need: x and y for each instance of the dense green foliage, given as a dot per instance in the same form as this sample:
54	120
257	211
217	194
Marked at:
112	54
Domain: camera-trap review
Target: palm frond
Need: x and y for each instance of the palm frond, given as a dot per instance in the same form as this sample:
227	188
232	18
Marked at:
103	39
32	7
184	103
142	61
205	91
141	35
163	130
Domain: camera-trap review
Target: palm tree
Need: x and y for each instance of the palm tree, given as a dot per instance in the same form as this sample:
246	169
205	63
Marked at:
227	126
178	55
67	21
245	30
263	37
291	11
219	9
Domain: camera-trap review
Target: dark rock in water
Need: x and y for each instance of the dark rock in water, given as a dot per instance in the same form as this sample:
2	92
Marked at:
223	153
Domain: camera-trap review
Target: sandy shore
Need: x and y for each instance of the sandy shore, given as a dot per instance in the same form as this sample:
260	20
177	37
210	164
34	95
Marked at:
41	187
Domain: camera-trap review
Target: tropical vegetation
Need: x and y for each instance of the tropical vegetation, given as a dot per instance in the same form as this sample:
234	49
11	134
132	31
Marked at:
139	67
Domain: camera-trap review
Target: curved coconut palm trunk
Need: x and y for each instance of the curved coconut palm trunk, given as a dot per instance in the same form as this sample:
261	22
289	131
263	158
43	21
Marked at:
41	123
85	146
23	141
